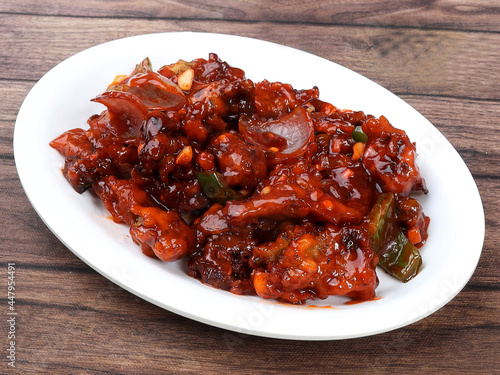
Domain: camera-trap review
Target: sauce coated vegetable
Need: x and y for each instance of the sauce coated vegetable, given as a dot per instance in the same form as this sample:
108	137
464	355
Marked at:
261	188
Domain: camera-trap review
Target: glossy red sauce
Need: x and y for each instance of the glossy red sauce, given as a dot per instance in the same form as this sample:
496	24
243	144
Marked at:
259	187
355	302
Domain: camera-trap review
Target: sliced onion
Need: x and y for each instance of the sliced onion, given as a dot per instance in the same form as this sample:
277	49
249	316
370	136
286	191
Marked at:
123	106
156	91
284	138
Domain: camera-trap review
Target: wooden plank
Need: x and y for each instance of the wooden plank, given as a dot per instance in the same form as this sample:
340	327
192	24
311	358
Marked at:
441	56
402	60
101	295
13	93
469	127
441	14
161	340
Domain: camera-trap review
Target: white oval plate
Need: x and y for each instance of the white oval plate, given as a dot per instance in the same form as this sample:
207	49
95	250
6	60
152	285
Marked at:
60	101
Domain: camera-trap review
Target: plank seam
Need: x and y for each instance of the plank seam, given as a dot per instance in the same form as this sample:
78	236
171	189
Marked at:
303	23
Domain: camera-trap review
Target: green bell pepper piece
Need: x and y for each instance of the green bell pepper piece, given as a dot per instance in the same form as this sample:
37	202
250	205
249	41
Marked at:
216	188
397	254
359	135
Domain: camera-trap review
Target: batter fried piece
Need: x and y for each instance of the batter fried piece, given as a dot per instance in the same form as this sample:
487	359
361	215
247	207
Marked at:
305	263
159	232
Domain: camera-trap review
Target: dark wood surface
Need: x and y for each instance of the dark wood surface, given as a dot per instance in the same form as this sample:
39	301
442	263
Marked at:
442	57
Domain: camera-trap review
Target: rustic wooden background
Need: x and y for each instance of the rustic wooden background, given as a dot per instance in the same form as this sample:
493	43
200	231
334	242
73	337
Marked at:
440	56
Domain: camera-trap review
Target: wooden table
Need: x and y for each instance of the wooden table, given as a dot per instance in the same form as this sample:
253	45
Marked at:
441	57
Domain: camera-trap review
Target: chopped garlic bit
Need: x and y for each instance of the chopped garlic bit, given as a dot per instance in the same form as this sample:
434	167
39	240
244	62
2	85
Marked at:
185	156
185	80
314	196
266	190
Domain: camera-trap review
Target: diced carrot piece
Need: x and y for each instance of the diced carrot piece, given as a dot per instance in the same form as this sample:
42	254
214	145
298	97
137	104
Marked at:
357	150
414	235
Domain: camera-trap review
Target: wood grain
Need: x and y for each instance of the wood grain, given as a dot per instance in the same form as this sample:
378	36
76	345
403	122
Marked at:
164	340
480	15
403	61
440	56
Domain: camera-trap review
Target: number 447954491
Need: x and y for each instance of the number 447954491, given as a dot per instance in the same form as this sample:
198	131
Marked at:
11	285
